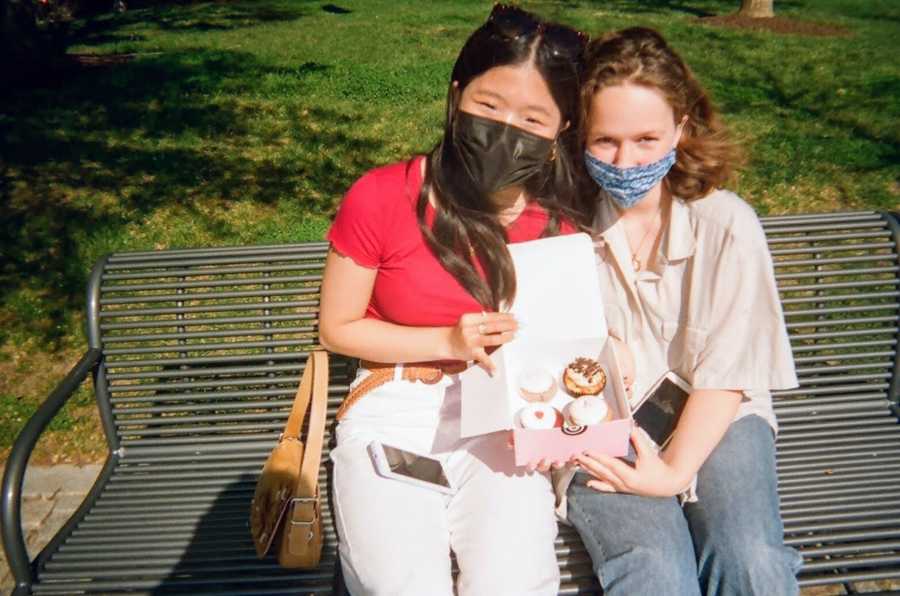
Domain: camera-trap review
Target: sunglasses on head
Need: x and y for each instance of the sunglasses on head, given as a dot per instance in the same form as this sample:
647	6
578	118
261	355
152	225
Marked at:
512	22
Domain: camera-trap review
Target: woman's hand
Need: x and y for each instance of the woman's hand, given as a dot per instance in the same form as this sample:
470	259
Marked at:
476	331
650	476
545	465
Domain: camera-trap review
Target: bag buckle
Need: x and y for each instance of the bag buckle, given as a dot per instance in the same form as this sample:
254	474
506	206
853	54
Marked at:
309	523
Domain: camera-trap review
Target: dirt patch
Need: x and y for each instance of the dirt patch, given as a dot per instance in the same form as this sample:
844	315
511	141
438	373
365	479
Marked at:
27	376
781	25
57	71
105	59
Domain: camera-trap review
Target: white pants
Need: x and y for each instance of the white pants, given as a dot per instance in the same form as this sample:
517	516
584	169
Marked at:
396	538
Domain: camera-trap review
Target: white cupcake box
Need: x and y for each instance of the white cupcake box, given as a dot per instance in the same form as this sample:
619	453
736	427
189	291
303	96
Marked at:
561	444
560	311
499	411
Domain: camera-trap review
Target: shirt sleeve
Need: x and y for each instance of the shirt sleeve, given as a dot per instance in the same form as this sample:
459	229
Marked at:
746	347
358	230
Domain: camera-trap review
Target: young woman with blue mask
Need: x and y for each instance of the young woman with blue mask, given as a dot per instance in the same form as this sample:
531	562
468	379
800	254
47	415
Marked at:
689	286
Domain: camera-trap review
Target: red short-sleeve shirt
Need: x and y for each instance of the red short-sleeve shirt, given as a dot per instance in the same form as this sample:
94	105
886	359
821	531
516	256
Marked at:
376	226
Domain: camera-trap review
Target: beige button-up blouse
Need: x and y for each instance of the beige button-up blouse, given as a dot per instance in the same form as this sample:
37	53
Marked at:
708	308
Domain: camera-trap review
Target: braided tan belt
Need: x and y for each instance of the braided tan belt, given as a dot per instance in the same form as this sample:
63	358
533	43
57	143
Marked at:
382	373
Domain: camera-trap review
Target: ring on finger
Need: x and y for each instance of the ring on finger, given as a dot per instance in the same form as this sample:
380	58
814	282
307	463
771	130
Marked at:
483	316
482	329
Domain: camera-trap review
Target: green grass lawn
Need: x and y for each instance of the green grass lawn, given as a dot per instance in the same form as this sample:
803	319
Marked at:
243	122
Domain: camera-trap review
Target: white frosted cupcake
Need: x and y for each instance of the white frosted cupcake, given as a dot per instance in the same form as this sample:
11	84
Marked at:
537	385
588	410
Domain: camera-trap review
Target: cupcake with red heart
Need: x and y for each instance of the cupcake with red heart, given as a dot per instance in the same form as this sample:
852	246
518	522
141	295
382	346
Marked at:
539	416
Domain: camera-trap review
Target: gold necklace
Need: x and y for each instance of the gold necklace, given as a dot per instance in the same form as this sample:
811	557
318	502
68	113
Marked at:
635	261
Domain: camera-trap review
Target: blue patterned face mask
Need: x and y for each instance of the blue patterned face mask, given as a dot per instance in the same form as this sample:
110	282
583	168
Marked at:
630	185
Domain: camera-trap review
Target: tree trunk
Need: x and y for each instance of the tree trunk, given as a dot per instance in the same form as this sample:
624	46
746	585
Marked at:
32	38
757	9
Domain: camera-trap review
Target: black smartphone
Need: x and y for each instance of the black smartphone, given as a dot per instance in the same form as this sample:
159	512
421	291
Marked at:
658	412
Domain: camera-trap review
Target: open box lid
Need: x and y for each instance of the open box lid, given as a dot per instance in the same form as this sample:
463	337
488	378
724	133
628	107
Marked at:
560	311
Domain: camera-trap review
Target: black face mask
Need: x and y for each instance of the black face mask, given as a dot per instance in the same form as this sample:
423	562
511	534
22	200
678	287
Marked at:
498	155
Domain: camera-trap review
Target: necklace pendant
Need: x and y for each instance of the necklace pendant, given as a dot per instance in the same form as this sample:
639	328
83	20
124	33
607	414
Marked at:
635	263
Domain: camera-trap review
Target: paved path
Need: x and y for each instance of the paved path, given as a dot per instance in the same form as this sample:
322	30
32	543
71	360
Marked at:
50	496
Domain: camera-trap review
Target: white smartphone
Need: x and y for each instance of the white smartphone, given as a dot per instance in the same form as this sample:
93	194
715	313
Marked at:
658	411
406	466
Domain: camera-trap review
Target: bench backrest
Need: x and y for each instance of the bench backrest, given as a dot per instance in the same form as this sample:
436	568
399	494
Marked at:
839	280
203	348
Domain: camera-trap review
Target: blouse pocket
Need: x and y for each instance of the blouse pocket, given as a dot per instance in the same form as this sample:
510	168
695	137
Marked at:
683	344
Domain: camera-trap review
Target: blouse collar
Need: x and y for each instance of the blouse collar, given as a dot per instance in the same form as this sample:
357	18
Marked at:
678	241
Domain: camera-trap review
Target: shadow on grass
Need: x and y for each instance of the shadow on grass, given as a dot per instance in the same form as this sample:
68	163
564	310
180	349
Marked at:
886	144
825	129
87	157
830	110
187	17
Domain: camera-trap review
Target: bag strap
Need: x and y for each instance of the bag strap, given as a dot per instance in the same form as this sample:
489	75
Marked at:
302	399
313	390
312	455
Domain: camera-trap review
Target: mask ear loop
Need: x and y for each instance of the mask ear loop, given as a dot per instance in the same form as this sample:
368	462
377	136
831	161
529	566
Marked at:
453	108
679	131
554	149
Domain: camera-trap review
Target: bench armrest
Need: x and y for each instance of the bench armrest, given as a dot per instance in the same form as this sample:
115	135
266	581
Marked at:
14	476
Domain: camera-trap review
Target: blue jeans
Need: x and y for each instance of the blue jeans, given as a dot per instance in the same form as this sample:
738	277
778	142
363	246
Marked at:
729	542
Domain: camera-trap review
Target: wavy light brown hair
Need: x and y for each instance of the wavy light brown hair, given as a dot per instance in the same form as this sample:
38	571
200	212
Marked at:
706	156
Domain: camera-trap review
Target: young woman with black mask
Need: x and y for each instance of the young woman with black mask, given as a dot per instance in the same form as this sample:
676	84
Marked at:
415	286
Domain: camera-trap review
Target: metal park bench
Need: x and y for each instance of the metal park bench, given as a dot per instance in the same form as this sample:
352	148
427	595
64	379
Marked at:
194	356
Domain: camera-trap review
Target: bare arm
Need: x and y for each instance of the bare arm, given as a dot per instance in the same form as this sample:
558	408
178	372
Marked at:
343	328
706	416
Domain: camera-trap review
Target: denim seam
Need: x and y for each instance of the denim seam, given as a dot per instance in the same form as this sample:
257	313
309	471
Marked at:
573	503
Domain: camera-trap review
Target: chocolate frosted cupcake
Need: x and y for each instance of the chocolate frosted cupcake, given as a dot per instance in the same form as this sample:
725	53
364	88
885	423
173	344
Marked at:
584	376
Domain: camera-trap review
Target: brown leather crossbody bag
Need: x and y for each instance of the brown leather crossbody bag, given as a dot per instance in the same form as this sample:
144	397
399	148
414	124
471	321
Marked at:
286	509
